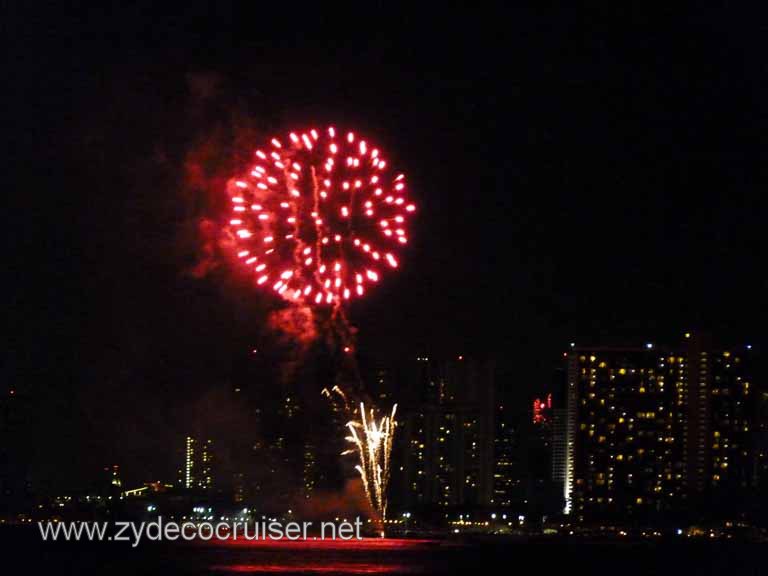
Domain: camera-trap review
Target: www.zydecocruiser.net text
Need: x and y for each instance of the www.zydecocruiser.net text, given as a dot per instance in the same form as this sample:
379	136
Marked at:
159	530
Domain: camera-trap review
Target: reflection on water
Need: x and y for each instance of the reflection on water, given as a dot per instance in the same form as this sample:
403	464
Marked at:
367	556
556	556
318	544
341	568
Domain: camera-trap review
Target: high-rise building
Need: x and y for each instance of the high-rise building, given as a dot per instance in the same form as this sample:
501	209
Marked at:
628	457
506	475
658	430
415	460
309	470
239	487
560	451
16	415
761	454
198	464
559	423
732	454
448	435
697	354
544	451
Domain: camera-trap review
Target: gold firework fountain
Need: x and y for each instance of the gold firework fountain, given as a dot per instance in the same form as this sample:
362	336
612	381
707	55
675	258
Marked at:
372	441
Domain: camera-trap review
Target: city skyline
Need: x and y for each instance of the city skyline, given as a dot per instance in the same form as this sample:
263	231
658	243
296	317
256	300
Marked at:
464	446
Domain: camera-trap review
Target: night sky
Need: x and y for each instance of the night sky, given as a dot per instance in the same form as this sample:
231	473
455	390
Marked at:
582	176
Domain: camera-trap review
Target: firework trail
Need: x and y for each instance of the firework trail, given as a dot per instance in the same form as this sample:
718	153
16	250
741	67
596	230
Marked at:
372	441
317	218
340	393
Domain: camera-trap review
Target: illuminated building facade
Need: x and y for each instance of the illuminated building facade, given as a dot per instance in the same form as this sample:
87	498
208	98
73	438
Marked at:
309	470
198	464
239	489
698	412
560	448
660	431
506	473
189	462
628	406
761	457
286	455
544	454
415	461
560	425
733	451
448	436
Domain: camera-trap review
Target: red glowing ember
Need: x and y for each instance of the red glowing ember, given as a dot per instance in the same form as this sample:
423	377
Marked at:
314	568
319	217
312	543
541	409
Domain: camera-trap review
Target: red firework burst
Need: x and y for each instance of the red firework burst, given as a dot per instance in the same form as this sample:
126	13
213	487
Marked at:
319	216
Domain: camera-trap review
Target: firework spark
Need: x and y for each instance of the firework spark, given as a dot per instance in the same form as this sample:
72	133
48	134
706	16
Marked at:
318	217
372	442
340	393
